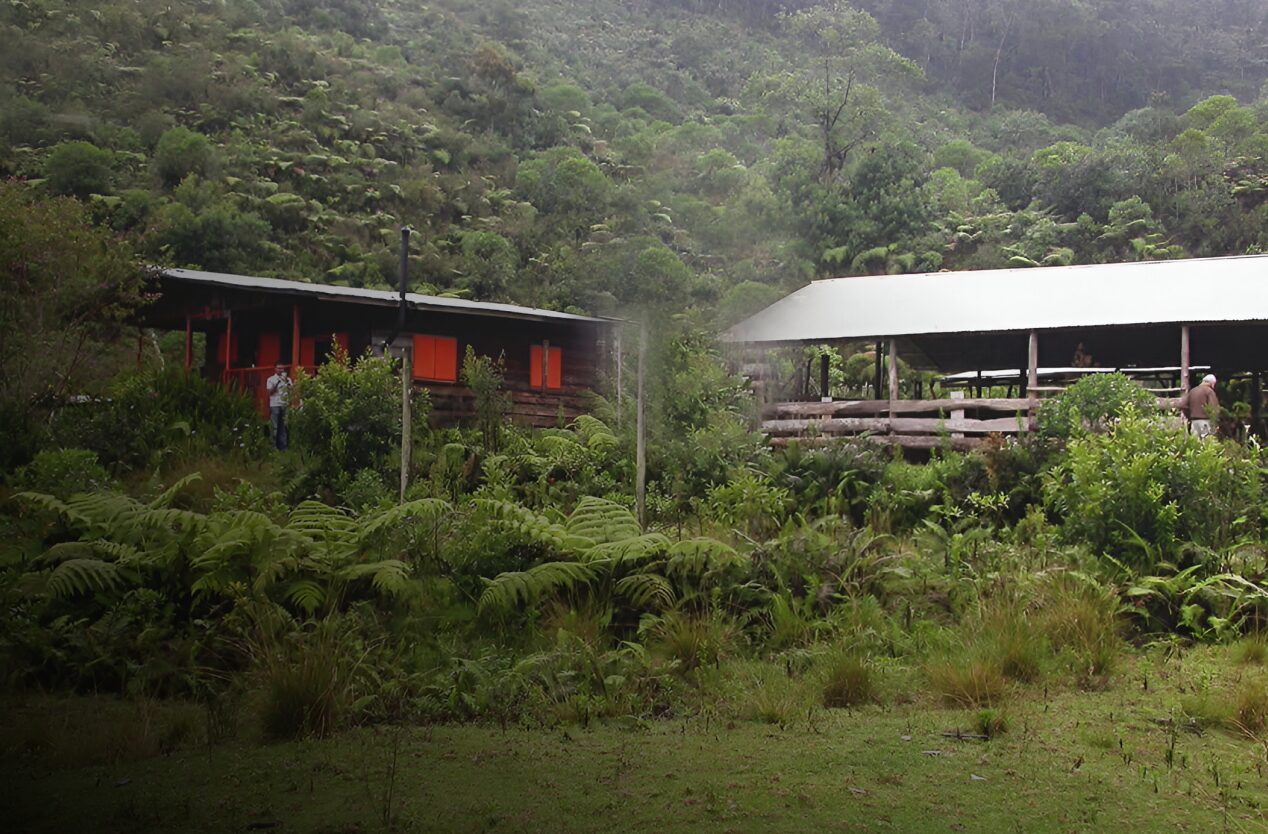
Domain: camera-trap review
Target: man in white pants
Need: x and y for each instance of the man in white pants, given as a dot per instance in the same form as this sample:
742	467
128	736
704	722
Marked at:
1202	404
279	388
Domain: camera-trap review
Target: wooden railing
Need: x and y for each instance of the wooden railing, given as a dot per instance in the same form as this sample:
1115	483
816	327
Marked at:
914	424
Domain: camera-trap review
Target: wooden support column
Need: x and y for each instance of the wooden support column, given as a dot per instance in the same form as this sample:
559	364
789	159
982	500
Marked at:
1032	379
876	390
893	377
294	341
545	364
1184	359
189	342
640	447
824	361
407	417
1256	400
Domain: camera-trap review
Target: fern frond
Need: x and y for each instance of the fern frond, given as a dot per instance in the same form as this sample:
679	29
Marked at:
508	591
696	557
535	527
74	577
425	512
319	521
602	521
53	505
390	577
595	433
305	594
169	495
647	590
630	552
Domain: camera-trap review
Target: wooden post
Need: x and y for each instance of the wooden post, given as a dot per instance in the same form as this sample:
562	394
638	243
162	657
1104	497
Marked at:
893	379
957	413
189	342
876	389
228	345
545	364
824	361
295	341
640	454
620	367
1256	400
1032	379
1184	359
407	427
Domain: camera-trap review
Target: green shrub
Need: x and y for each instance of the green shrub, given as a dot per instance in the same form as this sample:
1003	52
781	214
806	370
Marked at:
690	640
63	472
1092	404
1141	488
146	418
181	152
349	419
78	169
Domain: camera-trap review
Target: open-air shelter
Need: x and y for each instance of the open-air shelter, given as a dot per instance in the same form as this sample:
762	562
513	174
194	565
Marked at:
1165	316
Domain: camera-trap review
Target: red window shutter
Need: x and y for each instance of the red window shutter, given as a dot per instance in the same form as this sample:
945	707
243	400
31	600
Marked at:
436	358
446	369
555	371
535	366
424	357
308	351
270	350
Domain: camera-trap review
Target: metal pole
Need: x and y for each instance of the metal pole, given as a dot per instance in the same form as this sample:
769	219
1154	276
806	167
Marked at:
640	454
893	381
1032	378
1184	359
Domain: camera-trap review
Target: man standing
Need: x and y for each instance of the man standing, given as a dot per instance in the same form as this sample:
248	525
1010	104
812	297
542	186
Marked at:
279	388
1202	404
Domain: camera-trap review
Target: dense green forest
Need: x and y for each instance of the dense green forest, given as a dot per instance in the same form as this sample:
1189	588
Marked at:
1062	631
604	154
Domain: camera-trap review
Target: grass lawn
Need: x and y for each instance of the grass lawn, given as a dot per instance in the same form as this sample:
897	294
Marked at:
1125	759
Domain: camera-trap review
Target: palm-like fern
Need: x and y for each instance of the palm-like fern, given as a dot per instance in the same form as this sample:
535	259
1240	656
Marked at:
605	555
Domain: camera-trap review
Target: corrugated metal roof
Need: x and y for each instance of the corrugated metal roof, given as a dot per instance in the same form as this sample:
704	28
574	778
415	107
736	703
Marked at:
385	297
1007	300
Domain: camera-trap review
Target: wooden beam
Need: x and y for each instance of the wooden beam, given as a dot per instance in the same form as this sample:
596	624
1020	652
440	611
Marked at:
847	408
898	425
1032	380
824	394
295	341
876	391
893	375
546	364
906	441
1184	358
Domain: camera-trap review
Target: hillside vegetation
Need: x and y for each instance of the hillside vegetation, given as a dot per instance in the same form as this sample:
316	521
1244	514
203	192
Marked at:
600	155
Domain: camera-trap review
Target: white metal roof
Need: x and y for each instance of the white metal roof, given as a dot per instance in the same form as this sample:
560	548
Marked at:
386	297
1233	289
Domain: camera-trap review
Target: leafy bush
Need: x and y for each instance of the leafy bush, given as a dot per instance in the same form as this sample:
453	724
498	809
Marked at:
349	419
1141	488
148	417
78	169
181	152
63	472
1092	404
486	377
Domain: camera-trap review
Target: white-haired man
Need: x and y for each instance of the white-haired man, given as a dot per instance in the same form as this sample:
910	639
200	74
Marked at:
1201	404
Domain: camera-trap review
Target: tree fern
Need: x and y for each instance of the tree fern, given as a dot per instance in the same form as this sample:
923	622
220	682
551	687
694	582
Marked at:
521	588
75	577
602	521
425	512
389	577
636	551
595	434
306	594
169	495
647	590
697	557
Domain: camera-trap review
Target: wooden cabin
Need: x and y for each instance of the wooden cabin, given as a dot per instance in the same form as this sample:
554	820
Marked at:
553	361
1036	329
